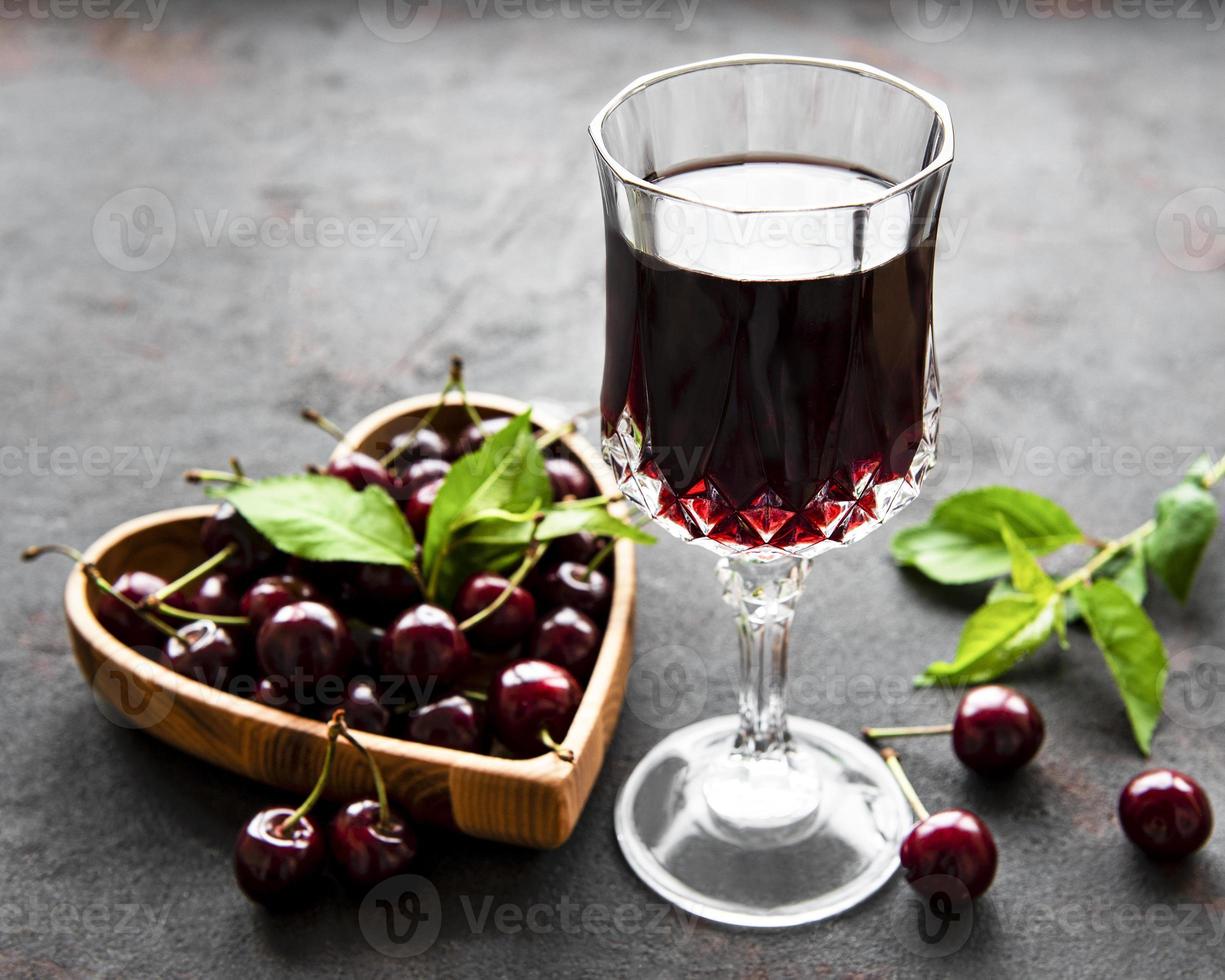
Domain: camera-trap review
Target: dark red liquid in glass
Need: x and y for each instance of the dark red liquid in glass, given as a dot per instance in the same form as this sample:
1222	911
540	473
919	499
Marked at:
767	411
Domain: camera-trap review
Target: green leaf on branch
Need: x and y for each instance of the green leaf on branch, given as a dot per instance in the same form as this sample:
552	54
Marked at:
962	541
998	635
1186	519
324	519
557	523
1133	651
1027	575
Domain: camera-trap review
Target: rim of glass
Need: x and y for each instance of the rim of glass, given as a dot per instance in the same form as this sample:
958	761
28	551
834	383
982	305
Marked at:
937	106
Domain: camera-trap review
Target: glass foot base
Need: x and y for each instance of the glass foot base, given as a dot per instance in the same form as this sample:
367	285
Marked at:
767	843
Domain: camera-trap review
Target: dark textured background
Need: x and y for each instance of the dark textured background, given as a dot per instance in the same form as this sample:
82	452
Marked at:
1060	324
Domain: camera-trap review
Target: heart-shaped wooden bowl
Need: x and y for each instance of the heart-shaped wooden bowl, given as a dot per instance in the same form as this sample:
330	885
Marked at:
532	802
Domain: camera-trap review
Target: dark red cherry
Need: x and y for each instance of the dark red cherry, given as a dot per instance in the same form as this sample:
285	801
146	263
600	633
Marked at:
126	625
471	438
414	447
216	596
307	640
528	698
505	626
568	479
278	869
949	843
1165	813
359	471
226	526
454	723
269	594
580	547
996	730
364	708
568	638
382	590
570	584
417	507
420	473
426	646
366	850
202	651
274	692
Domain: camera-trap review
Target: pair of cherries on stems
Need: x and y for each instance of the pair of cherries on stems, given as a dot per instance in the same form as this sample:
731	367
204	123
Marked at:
280	854
995	731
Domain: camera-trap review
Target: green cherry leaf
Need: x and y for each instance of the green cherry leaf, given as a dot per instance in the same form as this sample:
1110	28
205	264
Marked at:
962	541
1186	519
1133	651
1027	575
322	518
998	635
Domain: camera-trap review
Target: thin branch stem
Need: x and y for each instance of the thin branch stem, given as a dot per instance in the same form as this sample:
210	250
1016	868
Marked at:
166	591
906	730
904	784
334	730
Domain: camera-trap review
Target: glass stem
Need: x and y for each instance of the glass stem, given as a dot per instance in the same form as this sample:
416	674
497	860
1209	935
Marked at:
764	595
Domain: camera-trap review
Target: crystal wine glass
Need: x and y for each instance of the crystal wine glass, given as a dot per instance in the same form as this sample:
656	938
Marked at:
770	393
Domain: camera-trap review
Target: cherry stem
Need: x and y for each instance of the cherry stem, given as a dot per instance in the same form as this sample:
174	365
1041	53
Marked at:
326	424
166	591
475	695
236	466
99	580
219	619
906	730
546	439
559	750
457	366
335	727
457	382
380	787
532	555
908	790
215	476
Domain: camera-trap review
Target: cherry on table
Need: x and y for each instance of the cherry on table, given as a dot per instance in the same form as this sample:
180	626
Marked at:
367	850
124	624
1165	813
997	729
305	639
278	869
202	651
359	471
951	843
271	593
225	526
426	646
453	723
571	584
417	506
568	638
531	704
511	622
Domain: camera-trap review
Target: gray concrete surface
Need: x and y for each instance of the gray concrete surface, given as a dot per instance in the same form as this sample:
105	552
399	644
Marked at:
1066	322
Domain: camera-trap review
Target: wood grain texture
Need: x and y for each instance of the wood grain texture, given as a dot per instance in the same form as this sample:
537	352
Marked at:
532	802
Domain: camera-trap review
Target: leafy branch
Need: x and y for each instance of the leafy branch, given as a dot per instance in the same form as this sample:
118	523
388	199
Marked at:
993	531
